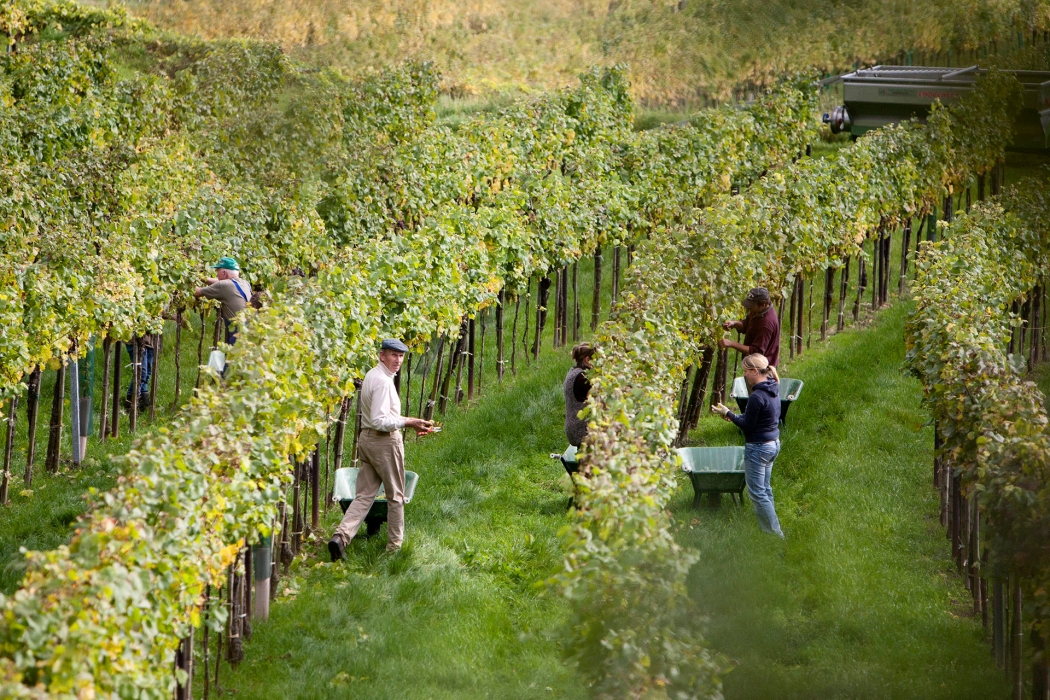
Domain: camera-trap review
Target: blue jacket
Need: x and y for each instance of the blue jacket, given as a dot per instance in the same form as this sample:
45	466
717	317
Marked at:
762	413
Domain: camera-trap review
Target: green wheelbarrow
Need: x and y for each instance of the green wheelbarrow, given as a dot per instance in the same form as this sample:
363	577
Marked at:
714	471
568	460
789	391
345	492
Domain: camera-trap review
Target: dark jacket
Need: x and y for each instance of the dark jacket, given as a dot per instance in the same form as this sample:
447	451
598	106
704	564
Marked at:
762	413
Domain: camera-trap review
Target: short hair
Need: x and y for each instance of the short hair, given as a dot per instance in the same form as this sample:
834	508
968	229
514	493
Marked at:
581	352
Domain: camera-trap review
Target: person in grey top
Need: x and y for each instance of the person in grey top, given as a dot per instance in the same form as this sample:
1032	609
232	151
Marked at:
233	293
576	389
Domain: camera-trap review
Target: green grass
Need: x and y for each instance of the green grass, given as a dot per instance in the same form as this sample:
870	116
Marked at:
862	600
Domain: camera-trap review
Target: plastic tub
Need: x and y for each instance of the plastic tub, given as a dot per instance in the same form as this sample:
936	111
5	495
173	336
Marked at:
345	492
790	389
714	471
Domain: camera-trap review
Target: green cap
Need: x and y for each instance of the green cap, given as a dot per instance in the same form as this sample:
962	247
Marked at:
227	264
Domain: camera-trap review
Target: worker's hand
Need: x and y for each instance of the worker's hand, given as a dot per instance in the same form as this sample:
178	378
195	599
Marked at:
724	343
720	409
422	427
728	325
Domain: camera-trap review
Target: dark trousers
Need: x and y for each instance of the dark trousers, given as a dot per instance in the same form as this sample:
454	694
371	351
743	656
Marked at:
146	358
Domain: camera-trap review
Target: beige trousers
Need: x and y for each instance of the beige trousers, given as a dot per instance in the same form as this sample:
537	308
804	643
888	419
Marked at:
381	461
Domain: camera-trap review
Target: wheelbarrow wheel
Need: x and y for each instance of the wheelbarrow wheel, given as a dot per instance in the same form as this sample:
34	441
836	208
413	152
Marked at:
372	527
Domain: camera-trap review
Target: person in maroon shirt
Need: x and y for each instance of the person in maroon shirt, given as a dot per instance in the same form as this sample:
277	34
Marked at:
761	327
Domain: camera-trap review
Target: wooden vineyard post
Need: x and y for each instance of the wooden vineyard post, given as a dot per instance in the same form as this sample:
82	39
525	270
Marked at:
843	290
340	434
357	422
501	300
596	299
791	319
248	579
974	556
114	423
200	351
801	315
54	435
980	187
542	297
9	446
683	408
887	249
184	662
699	390
905	245
514	335
999	622
297	510
136	377
528	316
481	354
829	293
73	372
103	411
1017	633
718	392
315	489
407	368
563	307
32	411
876	271
918	244
862	280
616	275
453	357
576	302
178	358
158	349
556	335
470	359
460	361
428	412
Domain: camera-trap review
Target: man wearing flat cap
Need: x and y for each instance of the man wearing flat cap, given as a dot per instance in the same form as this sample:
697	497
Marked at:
380	451
761	328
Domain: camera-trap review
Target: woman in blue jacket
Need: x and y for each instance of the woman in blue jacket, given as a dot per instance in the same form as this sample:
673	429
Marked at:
761	436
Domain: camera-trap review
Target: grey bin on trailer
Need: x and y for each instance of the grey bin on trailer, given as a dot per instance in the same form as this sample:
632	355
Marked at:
714	471
345	492
790	389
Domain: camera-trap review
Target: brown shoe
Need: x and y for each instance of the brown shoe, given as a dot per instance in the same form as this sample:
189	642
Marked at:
336	548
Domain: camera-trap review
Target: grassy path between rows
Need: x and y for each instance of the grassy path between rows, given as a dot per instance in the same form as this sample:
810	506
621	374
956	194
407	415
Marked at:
457	613
861	601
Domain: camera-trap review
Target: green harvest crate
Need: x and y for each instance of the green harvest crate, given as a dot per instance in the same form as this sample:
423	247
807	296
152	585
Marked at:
789	391
345	492
714	470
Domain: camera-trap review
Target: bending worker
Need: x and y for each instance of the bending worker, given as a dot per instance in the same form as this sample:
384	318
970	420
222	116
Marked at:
380	451
761	327
576	388
232	292
761	436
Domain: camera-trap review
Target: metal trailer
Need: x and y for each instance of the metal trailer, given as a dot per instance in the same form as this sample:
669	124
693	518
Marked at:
875	97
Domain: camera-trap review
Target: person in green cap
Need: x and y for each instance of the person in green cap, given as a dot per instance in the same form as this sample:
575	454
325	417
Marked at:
231	291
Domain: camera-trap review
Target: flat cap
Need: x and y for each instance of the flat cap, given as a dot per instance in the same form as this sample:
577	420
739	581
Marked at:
758	295
394	344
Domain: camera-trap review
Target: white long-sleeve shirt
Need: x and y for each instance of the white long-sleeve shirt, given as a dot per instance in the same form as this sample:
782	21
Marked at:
380	404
